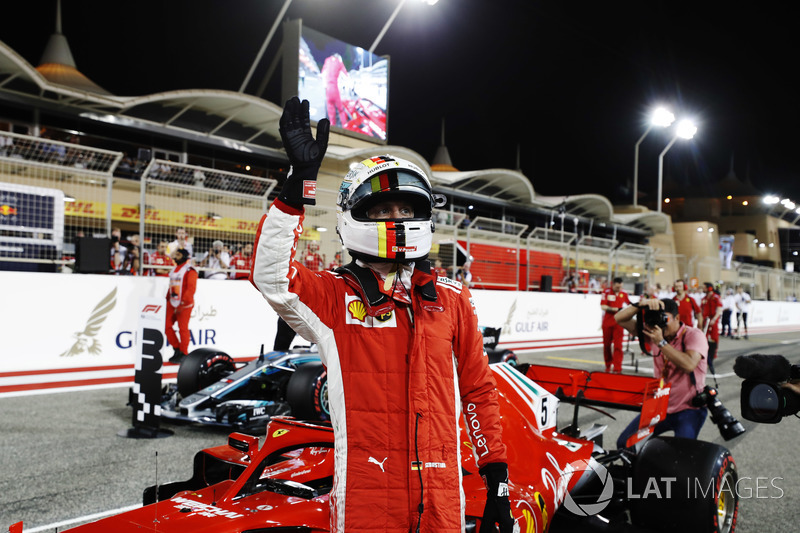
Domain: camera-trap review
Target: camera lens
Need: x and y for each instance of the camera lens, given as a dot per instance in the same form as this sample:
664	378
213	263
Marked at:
763	401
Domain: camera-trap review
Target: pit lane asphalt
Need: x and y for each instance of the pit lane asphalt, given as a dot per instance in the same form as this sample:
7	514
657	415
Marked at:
61	457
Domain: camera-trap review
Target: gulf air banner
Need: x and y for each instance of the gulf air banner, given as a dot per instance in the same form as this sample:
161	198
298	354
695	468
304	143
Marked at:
58	328
60	322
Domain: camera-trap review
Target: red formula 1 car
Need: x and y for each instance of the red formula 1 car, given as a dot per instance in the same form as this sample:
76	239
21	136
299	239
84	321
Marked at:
560	480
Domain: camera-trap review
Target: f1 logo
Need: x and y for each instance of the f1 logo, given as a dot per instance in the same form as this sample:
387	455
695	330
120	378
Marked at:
151	308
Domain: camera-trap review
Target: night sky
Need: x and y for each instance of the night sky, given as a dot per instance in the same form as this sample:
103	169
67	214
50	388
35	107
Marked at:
569	84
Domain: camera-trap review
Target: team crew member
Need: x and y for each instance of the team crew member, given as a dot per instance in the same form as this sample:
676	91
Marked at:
180	301
398	345
162	262
679	357
687	306
243	262
613	300
712	311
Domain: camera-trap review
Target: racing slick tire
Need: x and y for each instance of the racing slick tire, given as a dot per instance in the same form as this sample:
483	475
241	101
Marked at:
201	368
307	392
502	356
684	485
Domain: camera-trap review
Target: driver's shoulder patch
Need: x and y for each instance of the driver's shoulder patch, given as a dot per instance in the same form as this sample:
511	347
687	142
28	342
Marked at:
448	283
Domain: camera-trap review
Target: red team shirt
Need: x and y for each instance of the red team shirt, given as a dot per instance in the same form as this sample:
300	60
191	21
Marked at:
162	261
313	261
687	309
613	300
240	262
710	304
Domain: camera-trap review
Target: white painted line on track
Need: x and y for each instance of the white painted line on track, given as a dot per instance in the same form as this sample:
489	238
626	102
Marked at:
87	518
37	392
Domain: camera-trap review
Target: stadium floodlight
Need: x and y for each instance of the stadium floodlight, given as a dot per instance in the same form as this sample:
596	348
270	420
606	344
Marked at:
661	117
685	130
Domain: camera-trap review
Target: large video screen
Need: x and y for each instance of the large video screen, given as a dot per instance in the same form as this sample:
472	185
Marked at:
343	83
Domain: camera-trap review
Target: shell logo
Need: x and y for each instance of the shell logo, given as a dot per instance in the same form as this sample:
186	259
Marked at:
357	310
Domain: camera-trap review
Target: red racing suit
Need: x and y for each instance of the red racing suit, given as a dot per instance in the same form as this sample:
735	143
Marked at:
398	377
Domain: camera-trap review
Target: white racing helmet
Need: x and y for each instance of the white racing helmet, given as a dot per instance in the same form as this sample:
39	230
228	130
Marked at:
380	179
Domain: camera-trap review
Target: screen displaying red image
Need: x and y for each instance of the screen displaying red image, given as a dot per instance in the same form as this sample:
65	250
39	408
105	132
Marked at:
343	83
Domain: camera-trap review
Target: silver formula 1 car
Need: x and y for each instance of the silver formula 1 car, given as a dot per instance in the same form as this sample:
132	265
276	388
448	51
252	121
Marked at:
214	390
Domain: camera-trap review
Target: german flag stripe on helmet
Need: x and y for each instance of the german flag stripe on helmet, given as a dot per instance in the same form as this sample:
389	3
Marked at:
382	234
375	161
384	182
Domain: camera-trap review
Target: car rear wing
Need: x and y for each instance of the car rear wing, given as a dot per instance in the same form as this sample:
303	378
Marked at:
646	395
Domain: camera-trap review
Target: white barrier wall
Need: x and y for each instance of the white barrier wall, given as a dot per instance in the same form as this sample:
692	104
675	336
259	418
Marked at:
58	327
58	321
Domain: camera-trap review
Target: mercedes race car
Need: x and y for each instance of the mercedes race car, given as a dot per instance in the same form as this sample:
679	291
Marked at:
559	479
212	390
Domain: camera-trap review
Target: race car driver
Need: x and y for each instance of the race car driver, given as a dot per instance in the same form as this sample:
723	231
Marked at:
400	346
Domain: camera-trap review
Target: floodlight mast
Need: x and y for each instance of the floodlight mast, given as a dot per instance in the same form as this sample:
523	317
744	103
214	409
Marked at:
661	117
685	130
263	49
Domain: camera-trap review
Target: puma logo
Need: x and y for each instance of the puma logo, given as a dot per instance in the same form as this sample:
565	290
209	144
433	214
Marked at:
380	464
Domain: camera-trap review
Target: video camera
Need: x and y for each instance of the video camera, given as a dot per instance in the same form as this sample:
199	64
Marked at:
763	399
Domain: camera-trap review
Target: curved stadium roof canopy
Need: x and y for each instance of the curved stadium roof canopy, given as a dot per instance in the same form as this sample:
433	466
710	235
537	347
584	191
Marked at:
250	124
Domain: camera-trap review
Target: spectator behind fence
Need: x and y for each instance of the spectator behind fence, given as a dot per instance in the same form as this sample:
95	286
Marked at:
242	261
337	261
217	261
6	145
160	258
182	240
118	250
312	260
134	257
464	275
439	269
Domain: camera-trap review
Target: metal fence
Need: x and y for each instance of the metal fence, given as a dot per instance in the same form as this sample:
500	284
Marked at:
213	214
52	193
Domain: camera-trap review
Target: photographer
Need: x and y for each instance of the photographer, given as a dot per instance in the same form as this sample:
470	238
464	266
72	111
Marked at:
217	261
679	358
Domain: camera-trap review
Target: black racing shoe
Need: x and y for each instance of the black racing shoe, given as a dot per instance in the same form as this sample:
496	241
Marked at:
177	357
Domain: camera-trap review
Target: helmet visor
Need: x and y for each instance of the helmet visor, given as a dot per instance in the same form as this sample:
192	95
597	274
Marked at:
393	181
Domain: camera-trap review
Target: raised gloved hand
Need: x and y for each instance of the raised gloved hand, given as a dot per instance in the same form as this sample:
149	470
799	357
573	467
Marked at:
305	153
498	508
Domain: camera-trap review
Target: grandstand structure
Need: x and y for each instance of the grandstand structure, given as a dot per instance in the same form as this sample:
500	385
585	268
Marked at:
210	162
